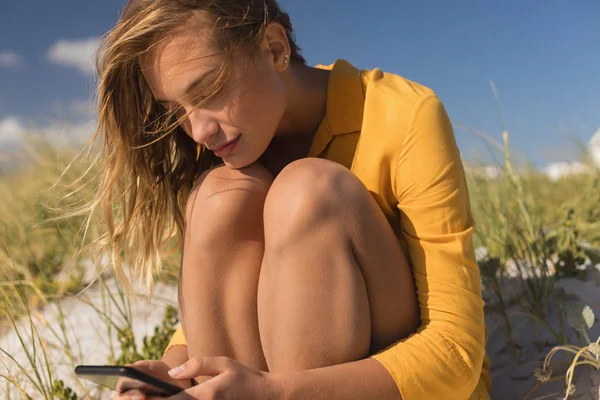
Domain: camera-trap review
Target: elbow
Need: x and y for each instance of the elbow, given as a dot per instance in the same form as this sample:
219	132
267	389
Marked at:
470	354
467	349
469	345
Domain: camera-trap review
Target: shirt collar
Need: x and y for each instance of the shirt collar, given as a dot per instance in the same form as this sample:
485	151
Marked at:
344	107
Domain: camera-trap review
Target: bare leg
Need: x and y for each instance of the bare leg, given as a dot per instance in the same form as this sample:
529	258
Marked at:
223	250
334	284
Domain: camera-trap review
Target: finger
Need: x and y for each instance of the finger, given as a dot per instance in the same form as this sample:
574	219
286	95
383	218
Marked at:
128	395
197	366
124	384
142	365
208	389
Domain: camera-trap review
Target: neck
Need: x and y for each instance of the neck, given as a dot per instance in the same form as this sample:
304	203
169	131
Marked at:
306	104
306	101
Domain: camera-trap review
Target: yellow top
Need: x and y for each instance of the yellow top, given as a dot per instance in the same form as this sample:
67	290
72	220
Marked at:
395	136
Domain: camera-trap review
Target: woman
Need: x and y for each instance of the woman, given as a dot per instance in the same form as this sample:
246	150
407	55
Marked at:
324	214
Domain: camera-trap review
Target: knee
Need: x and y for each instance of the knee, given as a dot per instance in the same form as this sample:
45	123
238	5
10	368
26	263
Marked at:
310	191
220	181
225	200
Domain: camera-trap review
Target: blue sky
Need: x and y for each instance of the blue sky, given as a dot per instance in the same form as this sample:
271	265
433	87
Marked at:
542	55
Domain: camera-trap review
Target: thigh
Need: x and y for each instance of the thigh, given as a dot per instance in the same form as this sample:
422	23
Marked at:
320	190
388	278
222	254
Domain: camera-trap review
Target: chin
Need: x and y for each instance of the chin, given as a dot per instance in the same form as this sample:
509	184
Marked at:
238	163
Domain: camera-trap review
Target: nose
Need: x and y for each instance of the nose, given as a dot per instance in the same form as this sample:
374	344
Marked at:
202	127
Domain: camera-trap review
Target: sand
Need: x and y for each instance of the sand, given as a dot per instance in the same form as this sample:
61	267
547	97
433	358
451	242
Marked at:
512	375
86	333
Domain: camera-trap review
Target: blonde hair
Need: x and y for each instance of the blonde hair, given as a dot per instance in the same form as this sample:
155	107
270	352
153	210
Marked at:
148	164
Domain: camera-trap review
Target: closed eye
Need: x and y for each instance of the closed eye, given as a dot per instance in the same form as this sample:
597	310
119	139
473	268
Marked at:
199	100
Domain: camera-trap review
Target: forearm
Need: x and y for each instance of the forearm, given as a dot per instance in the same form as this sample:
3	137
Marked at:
176	356
363	379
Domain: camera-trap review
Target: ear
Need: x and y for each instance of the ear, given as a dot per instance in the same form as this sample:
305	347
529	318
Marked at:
275	41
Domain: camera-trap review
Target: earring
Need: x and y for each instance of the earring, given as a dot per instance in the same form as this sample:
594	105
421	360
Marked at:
286	58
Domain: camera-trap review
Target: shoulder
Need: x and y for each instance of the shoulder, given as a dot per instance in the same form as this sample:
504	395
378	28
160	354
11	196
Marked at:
401	118
390	84
389	93
396	108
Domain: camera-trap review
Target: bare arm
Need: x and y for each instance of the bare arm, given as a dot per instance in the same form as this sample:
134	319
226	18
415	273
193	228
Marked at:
363	379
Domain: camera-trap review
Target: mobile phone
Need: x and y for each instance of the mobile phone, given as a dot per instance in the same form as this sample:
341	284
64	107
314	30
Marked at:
131	378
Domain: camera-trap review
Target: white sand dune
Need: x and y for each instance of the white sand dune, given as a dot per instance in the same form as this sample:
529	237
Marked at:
86	332
512	376
511	379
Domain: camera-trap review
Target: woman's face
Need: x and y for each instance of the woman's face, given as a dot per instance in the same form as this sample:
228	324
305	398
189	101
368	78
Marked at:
245	113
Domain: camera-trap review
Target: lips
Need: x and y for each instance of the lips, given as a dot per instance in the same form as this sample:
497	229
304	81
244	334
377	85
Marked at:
219	147
227	148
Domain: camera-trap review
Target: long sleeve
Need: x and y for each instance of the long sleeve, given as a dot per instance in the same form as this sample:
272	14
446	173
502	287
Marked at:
444	358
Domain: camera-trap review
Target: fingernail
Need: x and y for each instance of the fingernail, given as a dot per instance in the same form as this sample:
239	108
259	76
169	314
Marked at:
176	371
137	397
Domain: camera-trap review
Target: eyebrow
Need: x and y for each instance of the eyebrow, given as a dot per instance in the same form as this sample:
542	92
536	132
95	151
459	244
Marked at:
192	85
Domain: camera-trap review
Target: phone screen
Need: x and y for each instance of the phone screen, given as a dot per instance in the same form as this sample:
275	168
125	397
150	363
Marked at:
122	379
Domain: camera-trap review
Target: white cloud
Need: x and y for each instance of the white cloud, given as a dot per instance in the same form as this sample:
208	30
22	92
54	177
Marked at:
16	136
71	132
594	146
81	106
74	109
75	53
14	133
9	59
11	132
561	169
483	171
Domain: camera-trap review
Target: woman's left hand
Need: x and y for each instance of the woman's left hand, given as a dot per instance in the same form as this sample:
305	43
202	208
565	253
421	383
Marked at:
230	380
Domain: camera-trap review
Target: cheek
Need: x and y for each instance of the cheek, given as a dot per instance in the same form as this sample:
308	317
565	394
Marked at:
258	104
265	113
267	105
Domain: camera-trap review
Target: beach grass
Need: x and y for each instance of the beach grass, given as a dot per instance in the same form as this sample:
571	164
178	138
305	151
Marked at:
529	228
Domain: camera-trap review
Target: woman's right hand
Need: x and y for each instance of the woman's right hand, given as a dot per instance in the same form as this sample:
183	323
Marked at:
157	368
